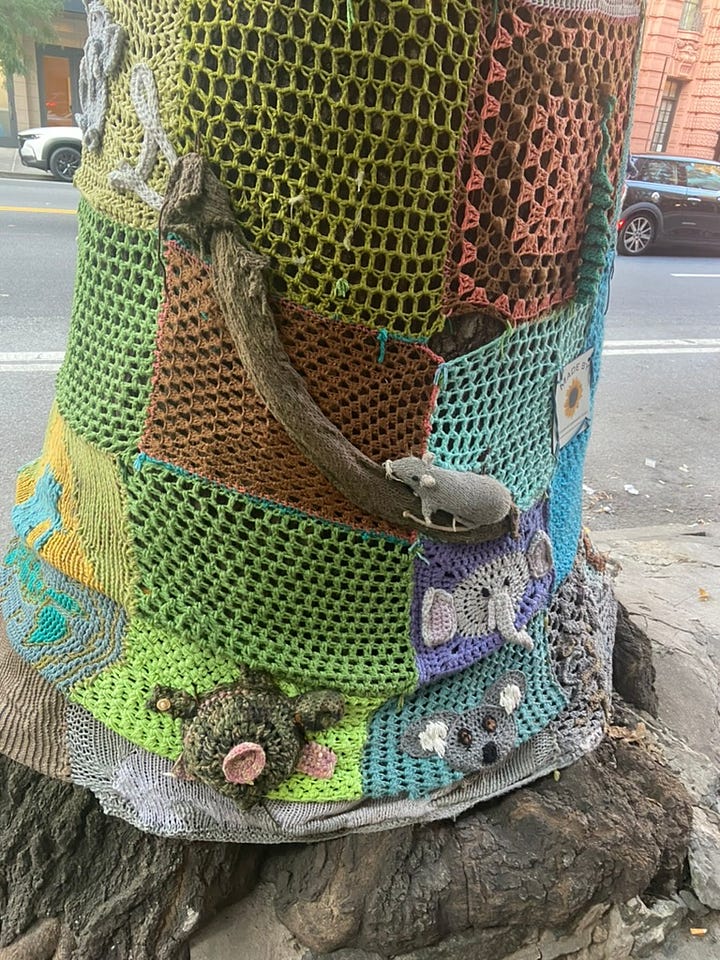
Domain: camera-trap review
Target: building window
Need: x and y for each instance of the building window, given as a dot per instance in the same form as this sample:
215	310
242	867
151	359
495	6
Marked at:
665	116
691	17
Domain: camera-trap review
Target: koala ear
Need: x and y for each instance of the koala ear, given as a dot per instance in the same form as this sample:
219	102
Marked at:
428	458
507	692
427	737
540	554
427	480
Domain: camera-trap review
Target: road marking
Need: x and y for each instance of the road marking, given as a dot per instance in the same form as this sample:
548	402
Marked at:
634	352
710	276
684	342
39	361
38	210
29	367
49	361
634	348
51	356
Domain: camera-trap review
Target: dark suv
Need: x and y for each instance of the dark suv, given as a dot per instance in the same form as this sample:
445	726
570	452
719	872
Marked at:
671	199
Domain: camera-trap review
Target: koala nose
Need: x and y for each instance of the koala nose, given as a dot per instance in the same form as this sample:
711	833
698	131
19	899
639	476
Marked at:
244	763
489	753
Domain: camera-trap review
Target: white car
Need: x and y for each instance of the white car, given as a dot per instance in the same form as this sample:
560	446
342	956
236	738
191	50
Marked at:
56	149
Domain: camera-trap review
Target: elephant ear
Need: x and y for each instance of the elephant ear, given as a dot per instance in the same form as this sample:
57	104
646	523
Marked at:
507	692
427	737
540	555
439	617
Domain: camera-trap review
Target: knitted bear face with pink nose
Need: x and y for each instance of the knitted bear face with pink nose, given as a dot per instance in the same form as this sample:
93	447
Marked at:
245	739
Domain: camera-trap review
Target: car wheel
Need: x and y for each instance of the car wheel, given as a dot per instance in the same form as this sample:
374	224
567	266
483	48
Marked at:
637	235
64	162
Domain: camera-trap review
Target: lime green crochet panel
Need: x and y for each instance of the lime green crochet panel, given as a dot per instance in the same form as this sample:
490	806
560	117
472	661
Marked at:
257	581
152	656
495	405
104	384
338	144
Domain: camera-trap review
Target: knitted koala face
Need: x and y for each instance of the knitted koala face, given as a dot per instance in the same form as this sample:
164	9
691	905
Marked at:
475	739
245	740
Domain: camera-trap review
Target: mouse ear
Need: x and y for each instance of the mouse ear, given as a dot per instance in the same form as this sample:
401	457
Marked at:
428	458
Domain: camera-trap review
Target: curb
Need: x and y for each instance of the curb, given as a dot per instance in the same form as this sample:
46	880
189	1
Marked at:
21	175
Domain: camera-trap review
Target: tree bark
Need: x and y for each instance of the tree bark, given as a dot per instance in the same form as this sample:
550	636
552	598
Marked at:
78	885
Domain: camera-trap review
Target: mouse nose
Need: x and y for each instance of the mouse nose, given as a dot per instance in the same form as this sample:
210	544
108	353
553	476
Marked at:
489	753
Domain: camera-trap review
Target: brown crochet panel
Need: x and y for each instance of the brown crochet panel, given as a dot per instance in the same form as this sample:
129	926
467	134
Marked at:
205	416
530	145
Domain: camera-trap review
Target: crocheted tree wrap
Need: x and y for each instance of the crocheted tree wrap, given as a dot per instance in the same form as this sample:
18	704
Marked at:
420	206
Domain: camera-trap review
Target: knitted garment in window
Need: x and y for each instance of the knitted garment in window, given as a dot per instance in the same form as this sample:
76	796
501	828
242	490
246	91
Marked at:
204	622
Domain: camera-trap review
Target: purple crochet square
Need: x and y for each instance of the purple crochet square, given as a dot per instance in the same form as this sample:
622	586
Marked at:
447	568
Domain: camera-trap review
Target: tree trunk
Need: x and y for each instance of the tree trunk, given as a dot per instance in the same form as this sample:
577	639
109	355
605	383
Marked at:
302	553
79	885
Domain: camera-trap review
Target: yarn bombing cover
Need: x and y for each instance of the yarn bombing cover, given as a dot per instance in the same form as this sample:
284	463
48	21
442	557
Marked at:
301	554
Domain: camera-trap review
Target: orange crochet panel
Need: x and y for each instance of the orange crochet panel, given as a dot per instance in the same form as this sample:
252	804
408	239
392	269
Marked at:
543	84
206	417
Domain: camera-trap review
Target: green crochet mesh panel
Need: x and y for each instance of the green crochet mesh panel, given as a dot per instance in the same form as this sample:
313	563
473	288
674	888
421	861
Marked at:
104	383
347	183
258	579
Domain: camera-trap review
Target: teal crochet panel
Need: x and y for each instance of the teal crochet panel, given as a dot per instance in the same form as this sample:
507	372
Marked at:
68	631
104	383
306	600
388	770
495	405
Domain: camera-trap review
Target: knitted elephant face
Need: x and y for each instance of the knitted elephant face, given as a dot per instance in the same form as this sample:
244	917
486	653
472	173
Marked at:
245	739
488	599
475	739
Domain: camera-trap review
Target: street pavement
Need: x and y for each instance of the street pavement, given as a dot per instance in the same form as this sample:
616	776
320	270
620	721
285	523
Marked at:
668	577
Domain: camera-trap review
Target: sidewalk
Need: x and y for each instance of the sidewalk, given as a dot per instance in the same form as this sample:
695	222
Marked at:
668	578
10	166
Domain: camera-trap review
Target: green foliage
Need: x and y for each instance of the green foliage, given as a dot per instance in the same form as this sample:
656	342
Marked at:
21	20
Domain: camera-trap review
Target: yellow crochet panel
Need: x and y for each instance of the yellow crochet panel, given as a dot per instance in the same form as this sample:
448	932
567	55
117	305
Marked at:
153	36
46	514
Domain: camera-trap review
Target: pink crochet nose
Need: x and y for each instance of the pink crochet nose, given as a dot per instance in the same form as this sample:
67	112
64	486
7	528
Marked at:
244	763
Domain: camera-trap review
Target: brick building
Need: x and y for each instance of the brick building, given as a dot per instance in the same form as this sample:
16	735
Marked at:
677	108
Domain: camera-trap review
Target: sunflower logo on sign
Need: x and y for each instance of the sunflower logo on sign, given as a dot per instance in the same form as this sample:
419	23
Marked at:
573	396
572	400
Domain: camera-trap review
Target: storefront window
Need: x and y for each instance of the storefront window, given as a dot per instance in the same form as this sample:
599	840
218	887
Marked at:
57	87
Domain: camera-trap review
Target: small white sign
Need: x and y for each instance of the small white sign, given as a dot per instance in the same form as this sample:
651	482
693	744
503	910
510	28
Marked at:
572	400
